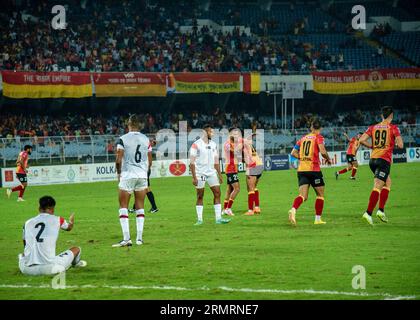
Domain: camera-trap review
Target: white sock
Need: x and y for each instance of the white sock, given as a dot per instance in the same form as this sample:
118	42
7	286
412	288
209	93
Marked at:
218	211
124	223
140	223
199	210
317	218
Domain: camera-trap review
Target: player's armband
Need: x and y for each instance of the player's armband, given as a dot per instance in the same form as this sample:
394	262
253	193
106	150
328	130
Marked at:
296	147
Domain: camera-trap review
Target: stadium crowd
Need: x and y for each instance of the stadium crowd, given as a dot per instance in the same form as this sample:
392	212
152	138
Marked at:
20	125
140	37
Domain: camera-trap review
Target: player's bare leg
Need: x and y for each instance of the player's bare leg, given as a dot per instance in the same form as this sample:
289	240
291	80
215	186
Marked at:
319	204
21	188
139	206
383	197
217	205
373	200
199	206
235	188
227	197
303	196
124	199
250	184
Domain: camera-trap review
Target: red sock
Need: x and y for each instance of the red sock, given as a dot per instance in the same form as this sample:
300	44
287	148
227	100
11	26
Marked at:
343	170
251	196
353	172
225	204
319	205
21	192
297	202
18	188
373	200
383	198
257	198
230	203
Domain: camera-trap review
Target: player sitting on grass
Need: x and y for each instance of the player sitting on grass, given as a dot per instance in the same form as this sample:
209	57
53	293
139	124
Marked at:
384	136
351	156
205	167
307	150
39	239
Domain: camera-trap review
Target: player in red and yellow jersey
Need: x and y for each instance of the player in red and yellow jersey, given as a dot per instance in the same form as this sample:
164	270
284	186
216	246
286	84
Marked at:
21	170
351	156
307	150
232	153
254	170
384	136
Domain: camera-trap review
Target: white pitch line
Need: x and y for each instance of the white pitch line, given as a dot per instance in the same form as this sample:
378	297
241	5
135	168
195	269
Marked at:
386	296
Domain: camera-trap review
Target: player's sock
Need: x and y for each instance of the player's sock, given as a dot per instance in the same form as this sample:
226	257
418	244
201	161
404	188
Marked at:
18	188
124	223
298	201
373	200
218	211
251	196
343	170
257	198
21	192
230	203
151	198
319	206
199	210
383	198
226	204
353	172
140	223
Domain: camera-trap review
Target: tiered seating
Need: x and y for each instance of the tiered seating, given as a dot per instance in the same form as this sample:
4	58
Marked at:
405	43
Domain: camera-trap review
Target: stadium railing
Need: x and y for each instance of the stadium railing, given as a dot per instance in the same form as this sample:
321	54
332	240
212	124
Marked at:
101	148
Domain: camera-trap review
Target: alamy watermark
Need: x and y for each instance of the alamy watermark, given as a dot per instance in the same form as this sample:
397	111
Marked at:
58	22
359	280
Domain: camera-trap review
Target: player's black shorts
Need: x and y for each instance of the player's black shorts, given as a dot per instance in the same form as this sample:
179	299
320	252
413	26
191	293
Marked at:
380	168
22	177
232	178
351	158
314	178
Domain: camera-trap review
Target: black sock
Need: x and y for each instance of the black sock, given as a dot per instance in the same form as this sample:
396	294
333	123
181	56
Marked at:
151	198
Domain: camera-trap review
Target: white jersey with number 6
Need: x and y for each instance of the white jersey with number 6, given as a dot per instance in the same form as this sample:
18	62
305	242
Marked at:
40	235
135	163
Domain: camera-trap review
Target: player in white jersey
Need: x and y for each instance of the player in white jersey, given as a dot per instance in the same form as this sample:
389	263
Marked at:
204	165
134	157
39	239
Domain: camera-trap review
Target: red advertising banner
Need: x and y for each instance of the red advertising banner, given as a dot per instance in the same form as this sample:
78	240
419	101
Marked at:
204	82
46	84
359	81
129	84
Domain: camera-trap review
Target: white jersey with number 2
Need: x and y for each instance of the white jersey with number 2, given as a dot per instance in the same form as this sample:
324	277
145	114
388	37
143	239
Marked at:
135	163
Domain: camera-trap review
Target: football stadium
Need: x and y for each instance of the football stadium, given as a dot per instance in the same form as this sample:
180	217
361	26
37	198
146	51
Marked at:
210	150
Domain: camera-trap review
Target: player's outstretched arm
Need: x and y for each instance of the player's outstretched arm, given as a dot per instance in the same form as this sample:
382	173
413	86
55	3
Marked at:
347	137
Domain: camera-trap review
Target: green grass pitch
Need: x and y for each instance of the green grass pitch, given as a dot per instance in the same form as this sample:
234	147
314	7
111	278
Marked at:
257	257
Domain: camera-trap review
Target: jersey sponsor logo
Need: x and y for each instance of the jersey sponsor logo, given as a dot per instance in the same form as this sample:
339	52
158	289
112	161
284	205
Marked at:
177	168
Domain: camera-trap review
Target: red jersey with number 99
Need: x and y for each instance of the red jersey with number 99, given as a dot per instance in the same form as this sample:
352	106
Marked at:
383	137
309	152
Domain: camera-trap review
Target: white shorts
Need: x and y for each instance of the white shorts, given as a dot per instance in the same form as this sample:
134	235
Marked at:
62	262
212	180
130	185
